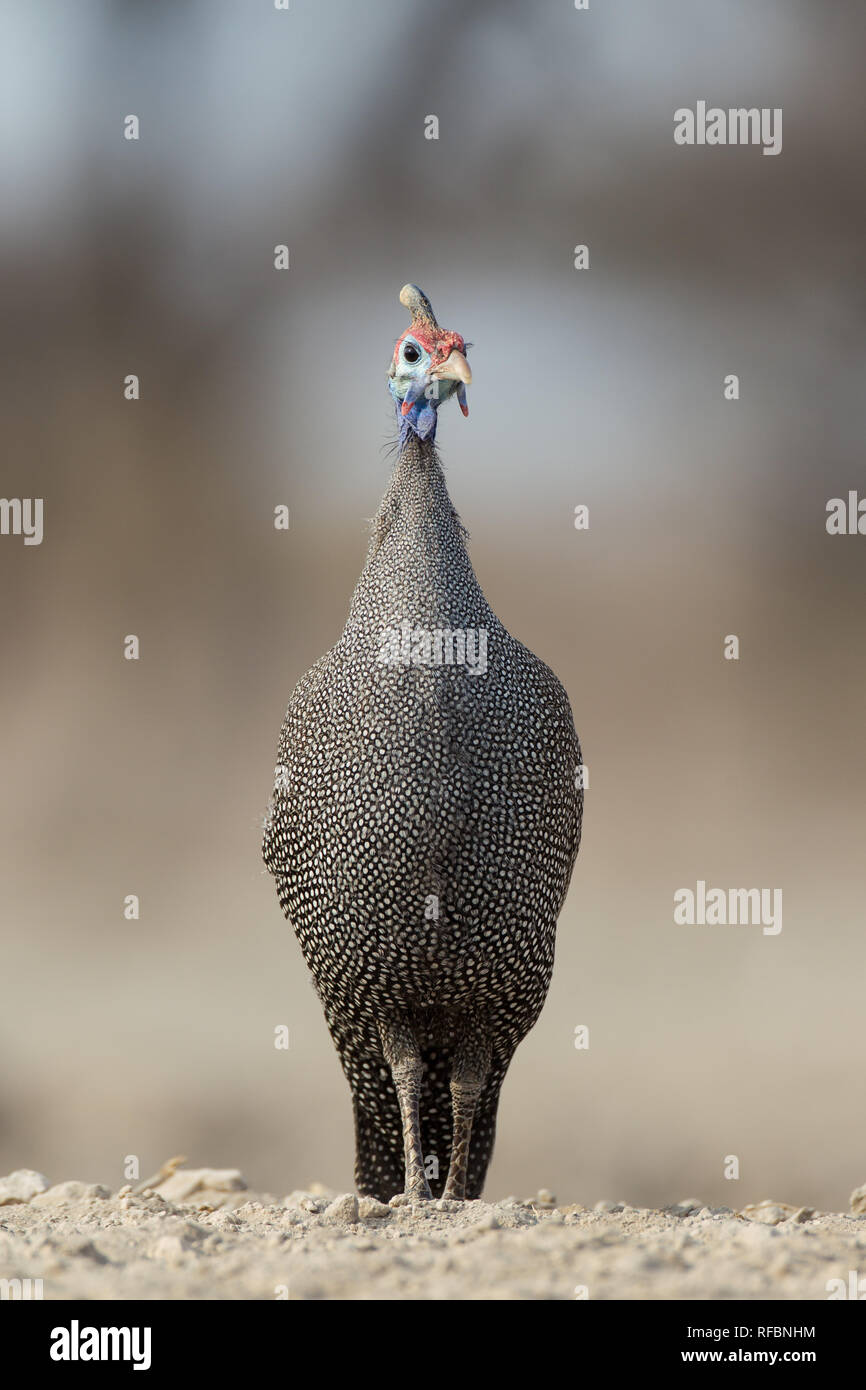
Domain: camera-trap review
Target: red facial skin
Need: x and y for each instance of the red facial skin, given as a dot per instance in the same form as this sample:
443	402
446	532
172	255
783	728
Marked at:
439	348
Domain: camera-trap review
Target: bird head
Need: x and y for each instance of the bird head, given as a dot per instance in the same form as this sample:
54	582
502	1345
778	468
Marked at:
428	366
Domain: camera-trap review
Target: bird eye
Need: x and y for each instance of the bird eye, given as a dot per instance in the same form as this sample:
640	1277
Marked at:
410	353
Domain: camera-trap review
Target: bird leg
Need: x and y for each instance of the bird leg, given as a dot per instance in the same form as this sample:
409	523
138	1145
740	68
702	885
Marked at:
404	1058
469	1073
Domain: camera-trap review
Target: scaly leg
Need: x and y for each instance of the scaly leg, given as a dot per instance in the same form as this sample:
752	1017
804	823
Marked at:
404	1058
471	1065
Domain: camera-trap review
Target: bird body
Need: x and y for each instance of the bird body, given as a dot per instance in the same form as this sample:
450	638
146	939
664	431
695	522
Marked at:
422	831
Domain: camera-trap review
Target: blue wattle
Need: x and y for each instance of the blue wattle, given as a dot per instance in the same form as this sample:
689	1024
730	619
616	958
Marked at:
420	420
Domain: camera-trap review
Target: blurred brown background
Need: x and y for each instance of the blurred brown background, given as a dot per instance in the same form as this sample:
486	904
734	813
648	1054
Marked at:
602	387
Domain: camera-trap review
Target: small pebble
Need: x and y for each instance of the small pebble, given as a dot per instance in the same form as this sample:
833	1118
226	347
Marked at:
371	1210
768	1213
68	1193
801	1215
686	1207
858	1201
21	1185
343	1211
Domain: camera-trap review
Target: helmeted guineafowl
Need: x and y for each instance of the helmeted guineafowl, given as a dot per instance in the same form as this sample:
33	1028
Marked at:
425	820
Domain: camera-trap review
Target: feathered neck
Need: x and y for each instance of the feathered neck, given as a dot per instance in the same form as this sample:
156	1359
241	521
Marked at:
417	496
418	567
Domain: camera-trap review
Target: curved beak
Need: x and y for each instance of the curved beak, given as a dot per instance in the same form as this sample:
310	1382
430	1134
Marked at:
454	368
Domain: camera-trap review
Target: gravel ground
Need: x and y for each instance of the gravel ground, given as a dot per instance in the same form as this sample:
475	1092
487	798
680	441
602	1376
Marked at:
199	1234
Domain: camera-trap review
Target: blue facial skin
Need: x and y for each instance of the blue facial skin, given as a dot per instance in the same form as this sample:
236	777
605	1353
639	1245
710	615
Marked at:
411	381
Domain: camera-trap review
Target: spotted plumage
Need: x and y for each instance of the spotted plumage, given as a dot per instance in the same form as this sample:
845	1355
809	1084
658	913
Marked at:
424	822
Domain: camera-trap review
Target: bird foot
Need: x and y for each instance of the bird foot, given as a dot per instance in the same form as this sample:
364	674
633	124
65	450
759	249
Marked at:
415	1193
454	1194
